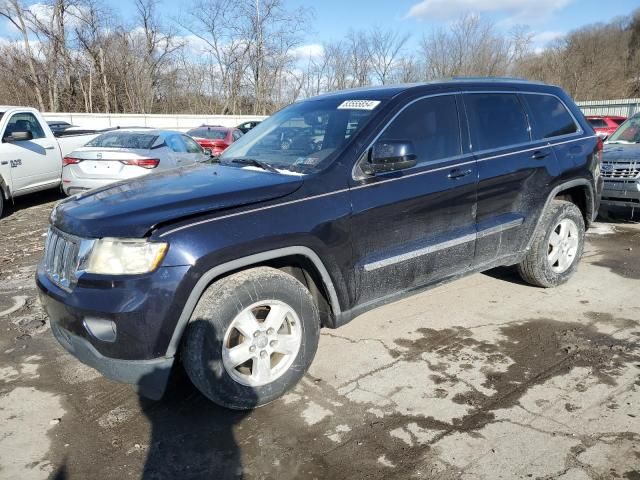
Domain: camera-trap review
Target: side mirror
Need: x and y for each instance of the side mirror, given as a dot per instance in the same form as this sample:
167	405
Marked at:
389	156
19	136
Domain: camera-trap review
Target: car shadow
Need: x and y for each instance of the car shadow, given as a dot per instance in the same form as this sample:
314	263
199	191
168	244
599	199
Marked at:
24	202
506	274
191	437
619	215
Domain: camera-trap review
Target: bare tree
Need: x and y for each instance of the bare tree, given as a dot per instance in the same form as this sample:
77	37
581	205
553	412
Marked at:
384	48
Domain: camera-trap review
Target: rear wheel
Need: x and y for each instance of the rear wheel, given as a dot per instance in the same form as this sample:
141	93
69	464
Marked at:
1	203
251	338
556	248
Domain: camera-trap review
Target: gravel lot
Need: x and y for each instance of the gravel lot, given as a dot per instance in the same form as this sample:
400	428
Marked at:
483	378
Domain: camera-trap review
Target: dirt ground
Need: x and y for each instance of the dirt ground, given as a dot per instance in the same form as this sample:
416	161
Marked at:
484	378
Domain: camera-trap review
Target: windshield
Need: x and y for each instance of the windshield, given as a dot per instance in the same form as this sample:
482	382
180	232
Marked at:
208	133
302	137
124	140
628	132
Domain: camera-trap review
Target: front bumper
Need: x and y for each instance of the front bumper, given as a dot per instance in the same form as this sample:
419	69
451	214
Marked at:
149	376
621	193
143	310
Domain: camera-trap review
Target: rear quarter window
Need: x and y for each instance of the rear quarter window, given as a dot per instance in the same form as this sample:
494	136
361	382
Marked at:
496	120
550	118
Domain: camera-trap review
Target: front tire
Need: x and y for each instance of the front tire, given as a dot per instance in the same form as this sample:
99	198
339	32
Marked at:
251	338
556	248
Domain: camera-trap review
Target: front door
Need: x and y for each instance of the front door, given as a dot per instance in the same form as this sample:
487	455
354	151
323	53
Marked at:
416	226
34	163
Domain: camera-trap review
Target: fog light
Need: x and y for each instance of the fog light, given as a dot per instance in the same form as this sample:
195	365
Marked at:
104	330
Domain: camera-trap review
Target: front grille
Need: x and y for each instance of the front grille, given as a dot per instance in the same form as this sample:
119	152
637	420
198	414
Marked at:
620	170
61	254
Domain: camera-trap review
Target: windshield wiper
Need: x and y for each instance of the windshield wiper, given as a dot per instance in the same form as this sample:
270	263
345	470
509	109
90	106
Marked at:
255	163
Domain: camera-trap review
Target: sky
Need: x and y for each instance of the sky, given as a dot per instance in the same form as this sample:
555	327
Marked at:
547	19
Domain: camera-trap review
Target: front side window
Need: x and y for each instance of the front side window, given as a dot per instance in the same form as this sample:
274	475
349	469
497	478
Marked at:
431	125
304	136
550	117
192	145
496	120
24	122
628	132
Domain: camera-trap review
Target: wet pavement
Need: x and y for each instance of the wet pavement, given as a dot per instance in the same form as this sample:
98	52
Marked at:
483	378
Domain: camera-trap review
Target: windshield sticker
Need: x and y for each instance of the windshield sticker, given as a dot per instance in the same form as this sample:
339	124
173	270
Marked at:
358	104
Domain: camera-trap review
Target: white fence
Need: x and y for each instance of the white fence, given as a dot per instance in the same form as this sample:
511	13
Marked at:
171	122
623	107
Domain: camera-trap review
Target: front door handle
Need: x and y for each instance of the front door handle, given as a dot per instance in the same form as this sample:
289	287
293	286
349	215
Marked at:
458	173
49	147
540	154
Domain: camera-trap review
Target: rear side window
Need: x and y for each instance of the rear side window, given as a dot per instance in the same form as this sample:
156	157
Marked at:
550	116
618	121
431	124
496	120
175	143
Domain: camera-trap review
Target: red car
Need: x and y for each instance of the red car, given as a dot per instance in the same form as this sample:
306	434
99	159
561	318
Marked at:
215	139
605	125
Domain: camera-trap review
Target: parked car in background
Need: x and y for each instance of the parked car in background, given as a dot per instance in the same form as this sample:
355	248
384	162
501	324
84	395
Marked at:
605	125
58	125
127	153
621	166
215	139
233	268
246	126
30	153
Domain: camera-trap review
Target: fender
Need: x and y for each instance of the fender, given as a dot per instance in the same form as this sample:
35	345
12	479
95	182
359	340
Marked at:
579	182
223	268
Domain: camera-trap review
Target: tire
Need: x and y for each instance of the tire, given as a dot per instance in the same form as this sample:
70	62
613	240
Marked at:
540	266
1	203
217	326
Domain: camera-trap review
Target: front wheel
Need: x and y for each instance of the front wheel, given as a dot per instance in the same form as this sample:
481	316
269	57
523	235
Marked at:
251	338
557	246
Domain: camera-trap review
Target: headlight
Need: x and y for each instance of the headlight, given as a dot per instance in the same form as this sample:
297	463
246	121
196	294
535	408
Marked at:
115	256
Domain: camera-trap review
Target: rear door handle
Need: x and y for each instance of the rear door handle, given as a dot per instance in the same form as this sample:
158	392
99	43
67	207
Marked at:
458	173
49	147
540	154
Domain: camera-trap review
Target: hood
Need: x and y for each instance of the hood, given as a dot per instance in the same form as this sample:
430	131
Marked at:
132	208
621	152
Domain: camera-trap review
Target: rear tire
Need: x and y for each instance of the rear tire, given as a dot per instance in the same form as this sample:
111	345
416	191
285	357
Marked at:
1	203
251	338
556	248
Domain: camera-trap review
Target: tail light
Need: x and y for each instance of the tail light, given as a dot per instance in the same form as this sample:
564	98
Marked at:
70	161
148	163
599	148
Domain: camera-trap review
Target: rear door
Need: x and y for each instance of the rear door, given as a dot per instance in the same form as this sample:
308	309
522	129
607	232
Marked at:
415	226
34	163
514	171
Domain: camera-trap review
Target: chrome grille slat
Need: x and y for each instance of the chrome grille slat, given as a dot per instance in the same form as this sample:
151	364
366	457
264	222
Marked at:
61	257
621	170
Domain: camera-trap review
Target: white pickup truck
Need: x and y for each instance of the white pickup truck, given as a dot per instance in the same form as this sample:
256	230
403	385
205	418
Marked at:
30	155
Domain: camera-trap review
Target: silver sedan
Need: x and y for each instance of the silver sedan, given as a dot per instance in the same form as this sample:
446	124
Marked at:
122	154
